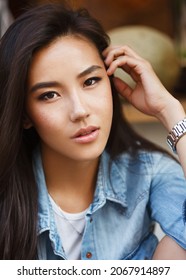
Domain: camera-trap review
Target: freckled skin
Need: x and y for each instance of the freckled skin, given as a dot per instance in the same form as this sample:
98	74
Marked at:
75	100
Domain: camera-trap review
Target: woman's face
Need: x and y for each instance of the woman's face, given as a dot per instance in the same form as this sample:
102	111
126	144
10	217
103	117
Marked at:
69	100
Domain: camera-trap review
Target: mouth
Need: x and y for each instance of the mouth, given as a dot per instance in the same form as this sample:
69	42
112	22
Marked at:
86	135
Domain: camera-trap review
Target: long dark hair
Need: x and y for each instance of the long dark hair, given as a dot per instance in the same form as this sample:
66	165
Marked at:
32	31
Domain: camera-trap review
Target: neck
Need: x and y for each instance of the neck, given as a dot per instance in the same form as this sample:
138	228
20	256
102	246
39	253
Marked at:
70	183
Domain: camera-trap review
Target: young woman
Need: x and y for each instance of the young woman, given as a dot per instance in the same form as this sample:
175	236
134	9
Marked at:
76	182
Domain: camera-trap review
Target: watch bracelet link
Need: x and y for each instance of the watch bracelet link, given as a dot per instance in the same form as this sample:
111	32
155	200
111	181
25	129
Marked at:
176	133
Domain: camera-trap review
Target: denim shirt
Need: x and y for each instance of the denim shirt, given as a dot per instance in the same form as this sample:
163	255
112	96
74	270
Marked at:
131	194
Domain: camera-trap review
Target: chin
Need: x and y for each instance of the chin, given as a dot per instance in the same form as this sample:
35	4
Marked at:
88	155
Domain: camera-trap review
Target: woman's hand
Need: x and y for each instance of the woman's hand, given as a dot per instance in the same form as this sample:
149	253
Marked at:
149	95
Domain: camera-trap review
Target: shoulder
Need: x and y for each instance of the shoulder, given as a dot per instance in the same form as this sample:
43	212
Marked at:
148	163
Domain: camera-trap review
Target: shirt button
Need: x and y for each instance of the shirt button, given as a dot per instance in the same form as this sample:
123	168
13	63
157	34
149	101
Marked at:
91	220
89	255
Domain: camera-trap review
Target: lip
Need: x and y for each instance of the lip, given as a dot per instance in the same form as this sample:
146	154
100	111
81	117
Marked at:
86	135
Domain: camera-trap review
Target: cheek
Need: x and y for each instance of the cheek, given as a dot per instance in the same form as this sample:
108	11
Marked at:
107	103
43	119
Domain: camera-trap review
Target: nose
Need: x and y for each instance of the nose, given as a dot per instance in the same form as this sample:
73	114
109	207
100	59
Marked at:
79	109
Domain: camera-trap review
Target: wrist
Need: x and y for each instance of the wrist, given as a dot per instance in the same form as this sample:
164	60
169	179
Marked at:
172	113
176	133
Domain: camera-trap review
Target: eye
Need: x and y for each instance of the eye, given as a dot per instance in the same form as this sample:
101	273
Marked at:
91	81
48	95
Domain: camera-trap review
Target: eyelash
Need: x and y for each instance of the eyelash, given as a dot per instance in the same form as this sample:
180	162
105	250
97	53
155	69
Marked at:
45	95
94	79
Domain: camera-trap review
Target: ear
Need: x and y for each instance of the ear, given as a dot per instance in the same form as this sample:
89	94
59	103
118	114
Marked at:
27	123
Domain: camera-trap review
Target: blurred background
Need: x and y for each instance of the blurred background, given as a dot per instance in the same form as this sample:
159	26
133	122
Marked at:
156	13
154	28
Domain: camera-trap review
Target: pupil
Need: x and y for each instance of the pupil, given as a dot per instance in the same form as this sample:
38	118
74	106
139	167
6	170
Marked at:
50	95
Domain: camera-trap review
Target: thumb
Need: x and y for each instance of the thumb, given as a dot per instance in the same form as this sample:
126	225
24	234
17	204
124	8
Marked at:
123	88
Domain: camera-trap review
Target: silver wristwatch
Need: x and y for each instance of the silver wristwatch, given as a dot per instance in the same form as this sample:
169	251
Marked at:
176	133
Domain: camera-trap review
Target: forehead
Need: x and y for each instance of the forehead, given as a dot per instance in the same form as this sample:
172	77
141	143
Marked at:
67	48
64	59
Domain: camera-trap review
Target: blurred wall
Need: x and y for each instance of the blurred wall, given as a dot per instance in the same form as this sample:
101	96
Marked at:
155	13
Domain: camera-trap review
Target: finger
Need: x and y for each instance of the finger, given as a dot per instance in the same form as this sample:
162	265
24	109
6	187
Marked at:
131	52
108	49
130	65
113	52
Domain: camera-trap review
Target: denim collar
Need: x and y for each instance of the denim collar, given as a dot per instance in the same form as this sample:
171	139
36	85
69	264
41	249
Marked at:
110	186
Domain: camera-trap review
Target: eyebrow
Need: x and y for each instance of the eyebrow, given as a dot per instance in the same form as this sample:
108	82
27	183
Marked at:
43	85
49	84
89	70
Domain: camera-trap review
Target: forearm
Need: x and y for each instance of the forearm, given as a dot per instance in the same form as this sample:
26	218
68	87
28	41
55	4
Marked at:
168	249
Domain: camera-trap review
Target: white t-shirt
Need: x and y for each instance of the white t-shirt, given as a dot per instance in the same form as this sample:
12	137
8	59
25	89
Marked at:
70	228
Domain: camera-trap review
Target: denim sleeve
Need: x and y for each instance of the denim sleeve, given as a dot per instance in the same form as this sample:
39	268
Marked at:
168	199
